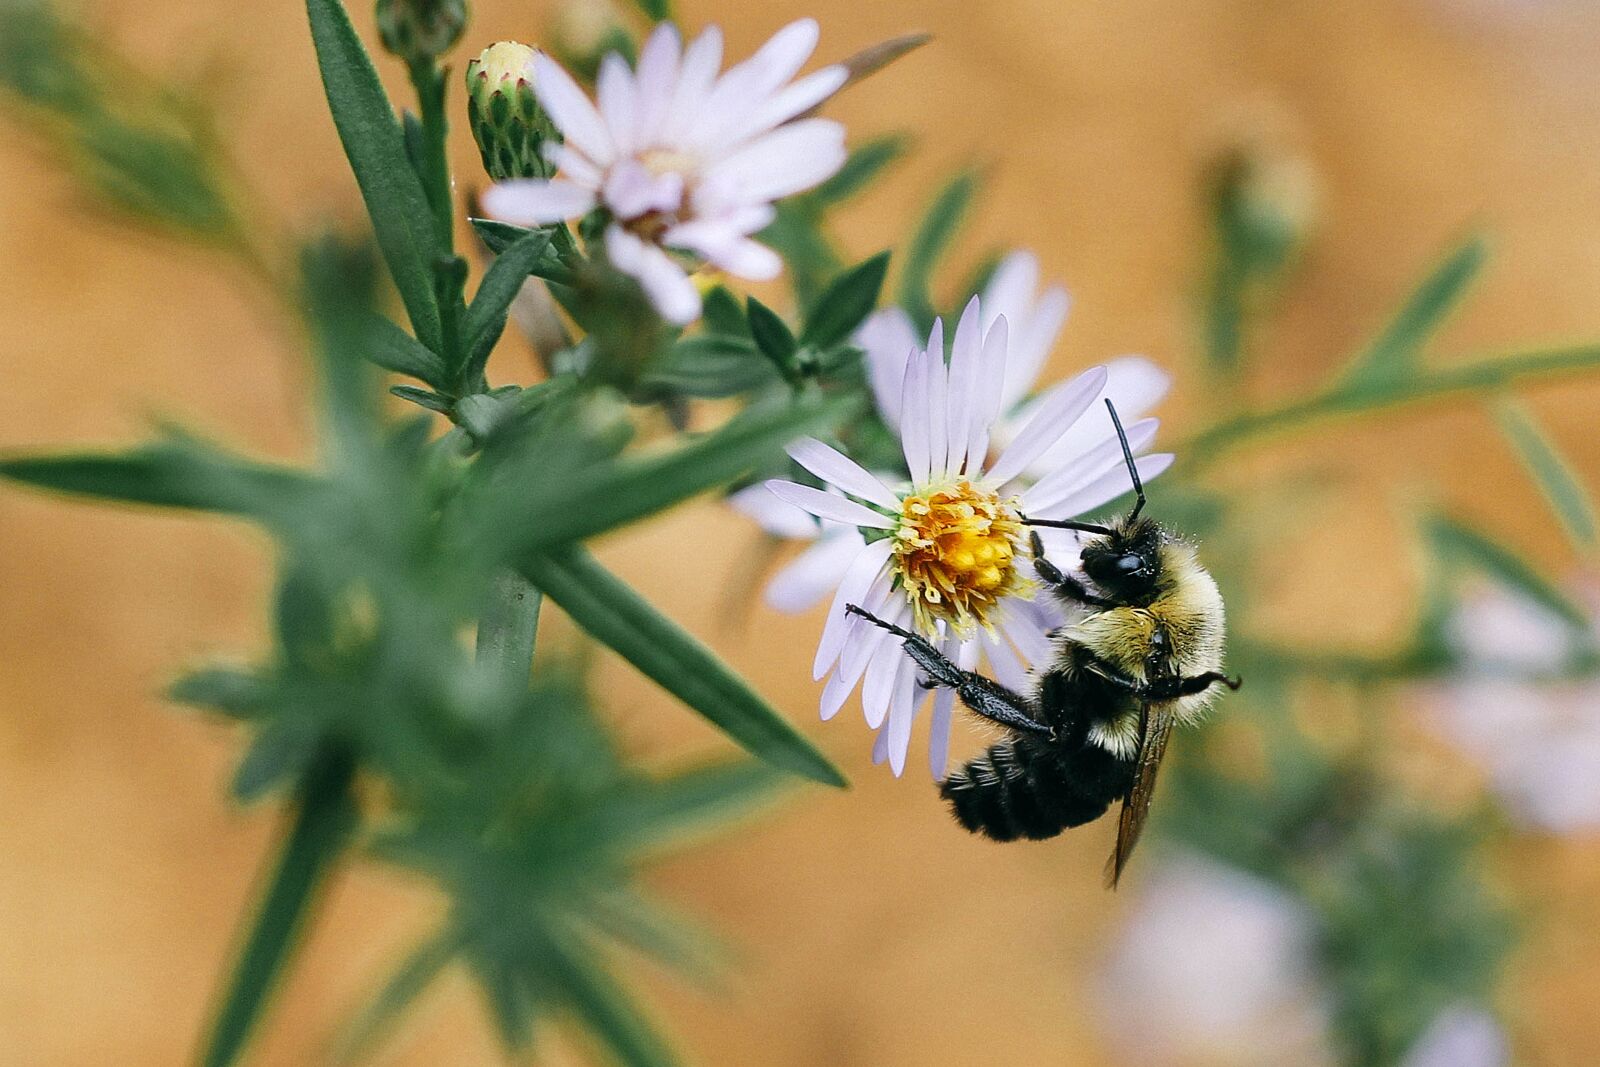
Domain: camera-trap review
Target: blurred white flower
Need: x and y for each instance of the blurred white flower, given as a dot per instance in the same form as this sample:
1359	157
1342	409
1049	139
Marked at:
683	158
1538	742
1214	966
1461	1037
947	553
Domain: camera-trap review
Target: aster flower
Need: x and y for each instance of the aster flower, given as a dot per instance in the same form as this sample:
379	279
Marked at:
1536	738
682	158
946	552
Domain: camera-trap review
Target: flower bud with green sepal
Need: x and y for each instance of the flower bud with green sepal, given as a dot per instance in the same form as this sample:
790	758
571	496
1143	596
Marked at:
419	31
506	119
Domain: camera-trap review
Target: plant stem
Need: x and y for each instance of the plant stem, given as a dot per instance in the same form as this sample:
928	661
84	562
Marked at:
429	82
322	825
507	630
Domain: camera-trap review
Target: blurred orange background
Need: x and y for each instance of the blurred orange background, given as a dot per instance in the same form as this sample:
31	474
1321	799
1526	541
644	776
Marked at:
868	930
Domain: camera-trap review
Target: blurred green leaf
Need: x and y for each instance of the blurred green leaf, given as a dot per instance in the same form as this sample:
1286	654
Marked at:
616	615
607	1011
486	316
235	693
281	752
401	215
929	243
771	334
425	398
1550	472
709	365
722	314
797	235
865	163
1393	355
843	305
656	10
394	349
409	981
1458	543
572	505
499	236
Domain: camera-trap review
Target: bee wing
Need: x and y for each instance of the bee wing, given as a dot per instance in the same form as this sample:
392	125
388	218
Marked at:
1155	727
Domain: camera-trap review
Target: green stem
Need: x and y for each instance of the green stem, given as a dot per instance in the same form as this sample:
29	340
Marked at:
507	631
429	82
322	826
1363	399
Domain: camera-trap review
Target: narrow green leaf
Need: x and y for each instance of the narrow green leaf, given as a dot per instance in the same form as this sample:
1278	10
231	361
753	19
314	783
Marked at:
722	314
321	827
771	333
654	816
486	317
862	167
280	752
709	365
503	988
846	301
410	980
1550	472
606	1009
797	235
617	616
394	349
499	236
235	693
1395	352
507	631
172	474
933	236
375	147
423	398
569	506
1458	543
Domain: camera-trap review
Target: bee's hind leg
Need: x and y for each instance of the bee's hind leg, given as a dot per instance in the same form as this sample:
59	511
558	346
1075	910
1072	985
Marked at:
984	696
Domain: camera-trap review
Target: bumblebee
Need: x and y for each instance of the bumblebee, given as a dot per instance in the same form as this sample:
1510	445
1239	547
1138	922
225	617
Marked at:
1144	654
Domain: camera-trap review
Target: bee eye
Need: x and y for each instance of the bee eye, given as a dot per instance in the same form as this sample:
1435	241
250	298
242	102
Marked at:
1130	563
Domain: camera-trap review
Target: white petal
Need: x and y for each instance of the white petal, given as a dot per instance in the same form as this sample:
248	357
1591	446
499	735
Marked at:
878	687
1041	498
654	80
773	515
571	111
1008	670
631	191
903	708
788	102
861	641
573	165
788	160
1031	342
810	576
1010	288
964	357
937	408
668	287
859	579
913	416
835	467
614	92
532	202
887	339
880	747
944	702
1106	489
986	394
696	77
828	506
738	255
748	85
1062	406
1135	385
1027	637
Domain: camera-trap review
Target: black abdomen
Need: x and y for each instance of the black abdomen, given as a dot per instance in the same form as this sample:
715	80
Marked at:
1029	787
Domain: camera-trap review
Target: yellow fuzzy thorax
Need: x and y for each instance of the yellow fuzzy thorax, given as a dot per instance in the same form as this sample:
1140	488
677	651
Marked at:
955	552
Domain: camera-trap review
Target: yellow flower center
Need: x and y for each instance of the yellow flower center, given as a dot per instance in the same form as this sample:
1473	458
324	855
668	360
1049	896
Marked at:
955	554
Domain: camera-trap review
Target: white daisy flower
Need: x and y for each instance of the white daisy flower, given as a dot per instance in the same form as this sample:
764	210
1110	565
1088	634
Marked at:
684	159
945	554
1538	743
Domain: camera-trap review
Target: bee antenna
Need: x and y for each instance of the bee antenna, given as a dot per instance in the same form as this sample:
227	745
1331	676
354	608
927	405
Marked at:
1067	524
1127	456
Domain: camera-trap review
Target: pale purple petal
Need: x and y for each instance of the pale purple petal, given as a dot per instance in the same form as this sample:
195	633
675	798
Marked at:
571	112
664	282
1061	407
944	702
744	258
887	339
1106	489
790	101
880	747
1031	342
614	92
533	202
903	708
775	516
696	77
986	394
806	580
1026	636
877	688
1008	670
1041	497
1134	384
788	160
654	81
833	466
965	351
631	190
828	506
859	579
913	417
573	165
861	641
937	409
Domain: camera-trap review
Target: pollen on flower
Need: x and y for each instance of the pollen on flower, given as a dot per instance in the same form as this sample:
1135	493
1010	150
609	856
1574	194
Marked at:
955	555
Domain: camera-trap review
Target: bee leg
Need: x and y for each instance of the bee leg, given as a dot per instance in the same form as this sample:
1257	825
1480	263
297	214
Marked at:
1065	585
984	696
1164	688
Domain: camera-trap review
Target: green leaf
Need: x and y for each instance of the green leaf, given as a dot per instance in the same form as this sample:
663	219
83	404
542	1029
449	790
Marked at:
569	506
174	474
321	827
659	815
1550	472
933	236
606	1010
423	398
709	365
617	616
797	235
394	349
656	10
771	334
861	168
500	236
1458	543
722	314
486	316
1395	352
281	751
235	693
410	980
401	216
846	301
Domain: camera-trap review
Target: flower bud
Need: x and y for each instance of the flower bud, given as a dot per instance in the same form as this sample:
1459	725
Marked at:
418	31
506	119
